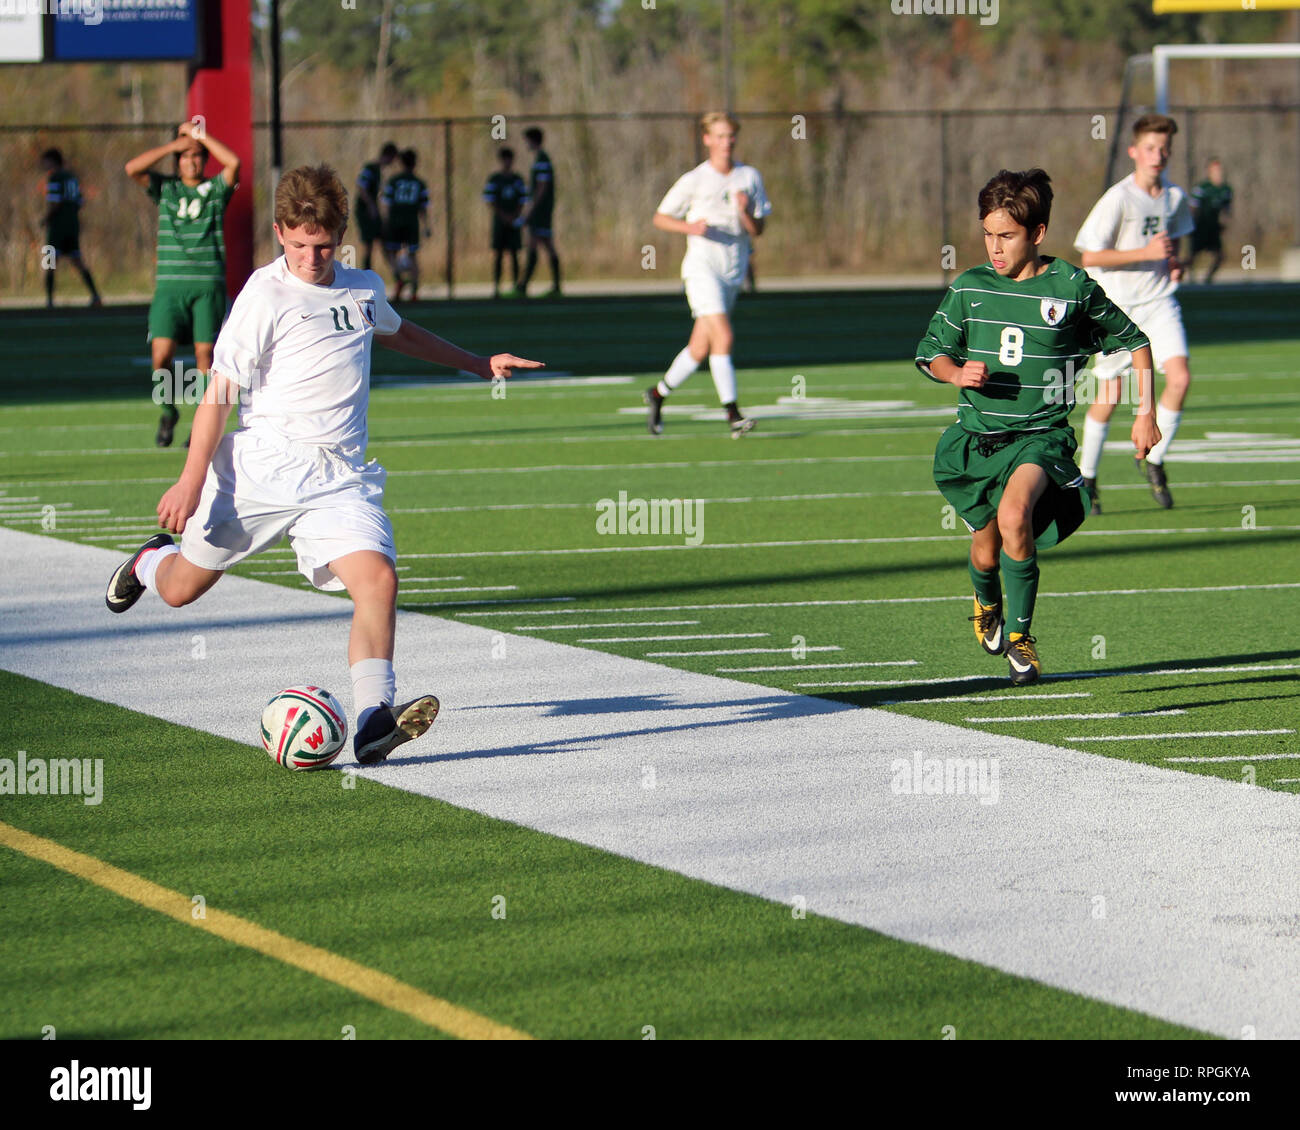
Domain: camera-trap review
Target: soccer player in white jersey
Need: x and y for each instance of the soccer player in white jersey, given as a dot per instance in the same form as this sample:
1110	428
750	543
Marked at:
1129	245
296	352
719	206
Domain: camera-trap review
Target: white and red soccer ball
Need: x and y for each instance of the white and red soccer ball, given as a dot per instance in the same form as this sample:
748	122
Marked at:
304	728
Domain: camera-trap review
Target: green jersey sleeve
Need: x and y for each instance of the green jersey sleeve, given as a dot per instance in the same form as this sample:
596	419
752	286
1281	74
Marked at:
1104	326
946	335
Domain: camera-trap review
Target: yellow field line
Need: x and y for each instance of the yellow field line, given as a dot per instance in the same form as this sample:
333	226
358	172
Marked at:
369	983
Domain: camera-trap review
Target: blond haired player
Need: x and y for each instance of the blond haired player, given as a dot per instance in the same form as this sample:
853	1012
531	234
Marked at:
719	206
296	352
1128	245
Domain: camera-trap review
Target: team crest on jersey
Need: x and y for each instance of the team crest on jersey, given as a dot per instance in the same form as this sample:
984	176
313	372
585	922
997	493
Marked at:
205	188
1053	310
368	310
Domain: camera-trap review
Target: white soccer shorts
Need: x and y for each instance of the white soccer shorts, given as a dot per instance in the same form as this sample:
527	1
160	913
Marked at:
262	487
708	294
1162	322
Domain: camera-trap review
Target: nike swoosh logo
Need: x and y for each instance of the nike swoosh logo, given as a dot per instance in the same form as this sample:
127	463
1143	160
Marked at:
304	315
974	304
995	638
1017	666
1023	619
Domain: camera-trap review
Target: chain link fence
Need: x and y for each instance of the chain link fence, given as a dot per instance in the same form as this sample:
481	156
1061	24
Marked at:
854	194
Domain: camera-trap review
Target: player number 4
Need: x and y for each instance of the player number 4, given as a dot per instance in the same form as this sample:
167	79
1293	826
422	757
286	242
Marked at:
1013	346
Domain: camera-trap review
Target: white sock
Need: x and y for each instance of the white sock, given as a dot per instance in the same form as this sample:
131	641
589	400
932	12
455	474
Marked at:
147	566
373	684
1094	435
682	367
724	377
1167	420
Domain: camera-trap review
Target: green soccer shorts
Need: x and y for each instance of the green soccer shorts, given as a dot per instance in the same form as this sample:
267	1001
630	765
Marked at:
188	313
971	472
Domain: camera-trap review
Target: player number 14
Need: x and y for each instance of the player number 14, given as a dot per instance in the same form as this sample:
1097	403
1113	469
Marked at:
1013	345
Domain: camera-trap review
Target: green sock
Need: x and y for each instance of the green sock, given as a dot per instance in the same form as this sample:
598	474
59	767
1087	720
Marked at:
988	586
1022	591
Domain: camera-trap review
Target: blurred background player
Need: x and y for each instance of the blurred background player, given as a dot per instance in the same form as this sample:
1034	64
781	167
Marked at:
720	207
1128	245
405	206
370	226
505	193
62	220
540	214
189	301
1211	206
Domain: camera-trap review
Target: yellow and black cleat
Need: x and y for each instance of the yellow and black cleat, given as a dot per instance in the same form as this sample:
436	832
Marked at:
988	627
1023	658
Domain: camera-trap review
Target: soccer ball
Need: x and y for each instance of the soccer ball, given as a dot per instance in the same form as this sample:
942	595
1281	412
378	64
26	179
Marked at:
304	728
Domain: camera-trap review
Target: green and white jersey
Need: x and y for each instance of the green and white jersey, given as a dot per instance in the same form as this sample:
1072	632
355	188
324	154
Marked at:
1035	337
191	242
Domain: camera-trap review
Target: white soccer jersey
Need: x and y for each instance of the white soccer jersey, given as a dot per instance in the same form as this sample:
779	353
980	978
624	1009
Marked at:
302	352
708	195
1124	219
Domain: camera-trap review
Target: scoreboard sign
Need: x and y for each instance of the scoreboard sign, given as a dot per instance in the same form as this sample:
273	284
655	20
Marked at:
80	31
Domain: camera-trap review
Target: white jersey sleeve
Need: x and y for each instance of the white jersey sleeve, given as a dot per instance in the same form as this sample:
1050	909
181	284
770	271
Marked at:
1101	229
677	202
246	337
387	320
760	206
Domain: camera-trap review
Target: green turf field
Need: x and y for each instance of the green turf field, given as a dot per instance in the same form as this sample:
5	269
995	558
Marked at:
826	566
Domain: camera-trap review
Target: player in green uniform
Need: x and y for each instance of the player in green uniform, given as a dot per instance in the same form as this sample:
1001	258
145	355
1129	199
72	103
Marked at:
405	205
62	222
539	216
189	302
505	193
1211	204
369	222
1011	335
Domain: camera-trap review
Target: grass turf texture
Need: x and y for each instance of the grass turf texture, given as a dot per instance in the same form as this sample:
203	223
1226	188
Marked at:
592	945
499	494
595	945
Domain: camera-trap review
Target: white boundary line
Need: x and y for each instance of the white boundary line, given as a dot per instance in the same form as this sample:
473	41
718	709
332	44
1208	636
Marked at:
1078	717
1234	757
664	639
819	666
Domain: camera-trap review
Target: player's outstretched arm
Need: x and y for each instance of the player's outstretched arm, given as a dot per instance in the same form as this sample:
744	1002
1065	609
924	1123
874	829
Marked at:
1145	433
181	500
973	374
416	341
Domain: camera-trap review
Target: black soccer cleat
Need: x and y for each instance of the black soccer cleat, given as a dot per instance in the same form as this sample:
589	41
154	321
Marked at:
1022	657
1091	484
989	623
124	588
655	416
167	425
390	726
1154	473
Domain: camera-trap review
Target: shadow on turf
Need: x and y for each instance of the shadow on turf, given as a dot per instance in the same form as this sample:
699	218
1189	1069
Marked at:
757	709
899	696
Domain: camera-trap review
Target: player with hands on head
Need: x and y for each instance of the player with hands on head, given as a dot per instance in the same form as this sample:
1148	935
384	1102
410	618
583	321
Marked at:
1011	335
189	299
295	354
